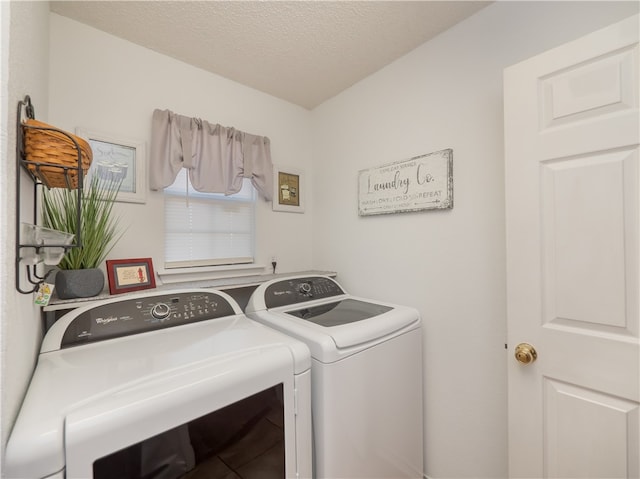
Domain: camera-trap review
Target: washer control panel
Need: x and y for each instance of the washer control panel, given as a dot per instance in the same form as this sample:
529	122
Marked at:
300	290
139	315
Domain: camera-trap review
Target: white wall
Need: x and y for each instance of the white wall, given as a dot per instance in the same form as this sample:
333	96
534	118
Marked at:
449	264
105	84
26	58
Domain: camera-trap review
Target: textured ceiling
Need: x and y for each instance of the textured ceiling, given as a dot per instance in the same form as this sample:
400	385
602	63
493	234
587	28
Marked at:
304	52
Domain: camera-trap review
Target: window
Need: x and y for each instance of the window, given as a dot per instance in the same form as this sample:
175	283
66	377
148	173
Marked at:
206	229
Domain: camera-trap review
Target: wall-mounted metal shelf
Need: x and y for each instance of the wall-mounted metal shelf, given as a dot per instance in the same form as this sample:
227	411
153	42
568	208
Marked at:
33	250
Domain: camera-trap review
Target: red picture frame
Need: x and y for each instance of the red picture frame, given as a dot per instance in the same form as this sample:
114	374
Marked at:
127	275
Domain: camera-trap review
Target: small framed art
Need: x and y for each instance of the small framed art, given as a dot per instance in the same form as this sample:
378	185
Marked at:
130	275
288	190
119	158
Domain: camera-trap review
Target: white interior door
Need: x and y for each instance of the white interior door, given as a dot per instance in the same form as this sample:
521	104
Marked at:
572	131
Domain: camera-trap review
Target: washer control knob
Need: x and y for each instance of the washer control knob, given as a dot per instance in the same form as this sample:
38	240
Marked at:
305	288
160	311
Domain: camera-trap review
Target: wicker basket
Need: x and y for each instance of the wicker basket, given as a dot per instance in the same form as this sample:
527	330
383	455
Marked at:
52	157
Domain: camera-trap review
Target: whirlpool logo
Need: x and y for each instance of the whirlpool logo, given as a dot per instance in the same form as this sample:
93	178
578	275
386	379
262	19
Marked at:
106	320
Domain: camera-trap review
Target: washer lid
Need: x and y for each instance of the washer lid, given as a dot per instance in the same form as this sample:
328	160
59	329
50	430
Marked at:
347	323
340	312
316	310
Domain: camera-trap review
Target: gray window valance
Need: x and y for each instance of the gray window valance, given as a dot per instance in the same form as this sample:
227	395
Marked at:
217	157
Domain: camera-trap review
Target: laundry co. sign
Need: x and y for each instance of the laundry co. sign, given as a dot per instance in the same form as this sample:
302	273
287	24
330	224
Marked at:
420	183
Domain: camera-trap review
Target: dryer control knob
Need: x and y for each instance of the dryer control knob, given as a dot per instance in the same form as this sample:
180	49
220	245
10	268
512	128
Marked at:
305	288
160	311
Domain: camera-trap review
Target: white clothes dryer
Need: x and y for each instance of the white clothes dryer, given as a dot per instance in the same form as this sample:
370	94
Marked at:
366	375
161	385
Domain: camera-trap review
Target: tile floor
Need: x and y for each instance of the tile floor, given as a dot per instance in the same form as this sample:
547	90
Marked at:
257	455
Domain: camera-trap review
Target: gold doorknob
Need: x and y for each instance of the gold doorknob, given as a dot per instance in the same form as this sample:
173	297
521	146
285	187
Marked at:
525	353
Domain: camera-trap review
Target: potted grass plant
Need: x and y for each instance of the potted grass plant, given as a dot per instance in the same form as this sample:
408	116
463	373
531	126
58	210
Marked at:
79	275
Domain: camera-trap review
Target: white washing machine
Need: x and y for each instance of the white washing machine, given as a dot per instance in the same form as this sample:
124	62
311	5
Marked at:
366	375
164	385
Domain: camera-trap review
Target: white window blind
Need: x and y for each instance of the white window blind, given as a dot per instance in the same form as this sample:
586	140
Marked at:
207	229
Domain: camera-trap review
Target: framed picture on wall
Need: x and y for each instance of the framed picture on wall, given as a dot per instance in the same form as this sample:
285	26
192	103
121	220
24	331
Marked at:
288	189
119	158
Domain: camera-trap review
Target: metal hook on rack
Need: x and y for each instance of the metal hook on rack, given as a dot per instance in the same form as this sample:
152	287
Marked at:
34	277
29	110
